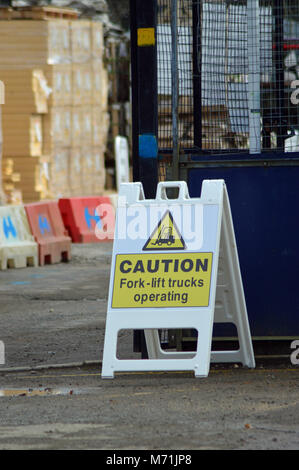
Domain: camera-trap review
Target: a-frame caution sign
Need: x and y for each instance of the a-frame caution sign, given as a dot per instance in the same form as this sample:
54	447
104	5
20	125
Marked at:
191	287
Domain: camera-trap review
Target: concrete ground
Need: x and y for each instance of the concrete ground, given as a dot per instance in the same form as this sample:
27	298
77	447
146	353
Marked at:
52	395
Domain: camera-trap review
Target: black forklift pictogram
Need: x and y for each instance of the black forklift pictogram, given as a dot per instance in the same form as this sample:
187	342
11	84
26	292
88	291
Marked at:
165	237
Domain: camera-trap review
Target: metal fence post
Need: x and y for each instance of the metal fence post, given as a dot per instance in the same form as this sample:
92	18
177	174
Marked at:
144	93
254	73
174	90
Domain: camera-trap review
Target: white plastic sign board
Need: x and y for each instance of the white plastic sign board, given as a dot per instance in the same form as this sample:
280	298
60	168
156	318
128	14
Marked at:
175	266
122	160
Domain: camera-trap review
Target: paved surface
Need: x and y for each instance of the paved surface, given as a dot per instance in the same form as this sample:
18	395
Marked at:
52	396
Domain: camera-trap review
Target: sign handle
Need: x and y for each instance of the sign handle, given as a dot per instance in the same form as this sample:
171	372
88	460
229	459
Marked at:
181	185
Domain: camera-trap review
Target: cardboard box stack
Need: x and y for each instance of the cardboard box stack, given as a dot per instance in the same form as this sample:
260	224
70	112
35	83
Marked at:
2	195
26	104
90	119
55	120
8	177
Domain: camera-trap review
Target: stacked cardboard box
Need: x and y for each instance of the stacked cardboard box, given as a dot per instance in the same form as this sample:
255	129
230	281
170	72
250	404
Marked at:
55	122
90	119
2	195
11	195
26	104
34	42
8	177
215	124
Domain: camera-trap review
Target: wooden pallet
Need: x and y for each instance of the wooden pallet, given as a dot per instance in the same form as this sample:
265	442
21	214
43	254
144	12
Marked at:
38	13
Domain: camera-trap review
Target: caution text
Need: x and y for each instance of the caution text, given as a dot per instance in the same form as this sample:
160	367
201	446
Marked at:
162	280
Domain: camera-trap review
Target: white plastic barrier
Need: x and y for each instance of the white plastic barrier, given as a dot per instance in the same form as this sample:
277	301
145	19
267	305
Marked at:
17	246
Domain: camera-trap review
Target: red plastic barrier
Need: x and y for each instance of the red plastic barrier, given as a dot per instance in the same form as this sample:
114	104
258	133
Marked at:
54	243
88	219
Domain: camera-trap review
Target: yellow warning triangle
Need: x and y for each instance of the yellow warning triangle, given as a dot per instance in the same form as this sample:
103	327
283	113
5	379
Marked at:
166	236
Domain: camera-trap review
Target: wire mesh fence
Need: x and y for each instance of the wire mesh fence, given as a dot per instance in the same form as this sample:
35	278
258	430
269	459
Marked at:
238	69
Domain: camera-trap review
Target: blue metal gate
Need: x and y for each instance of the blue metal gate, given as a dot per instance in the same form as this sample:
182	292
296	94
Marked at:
235	117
